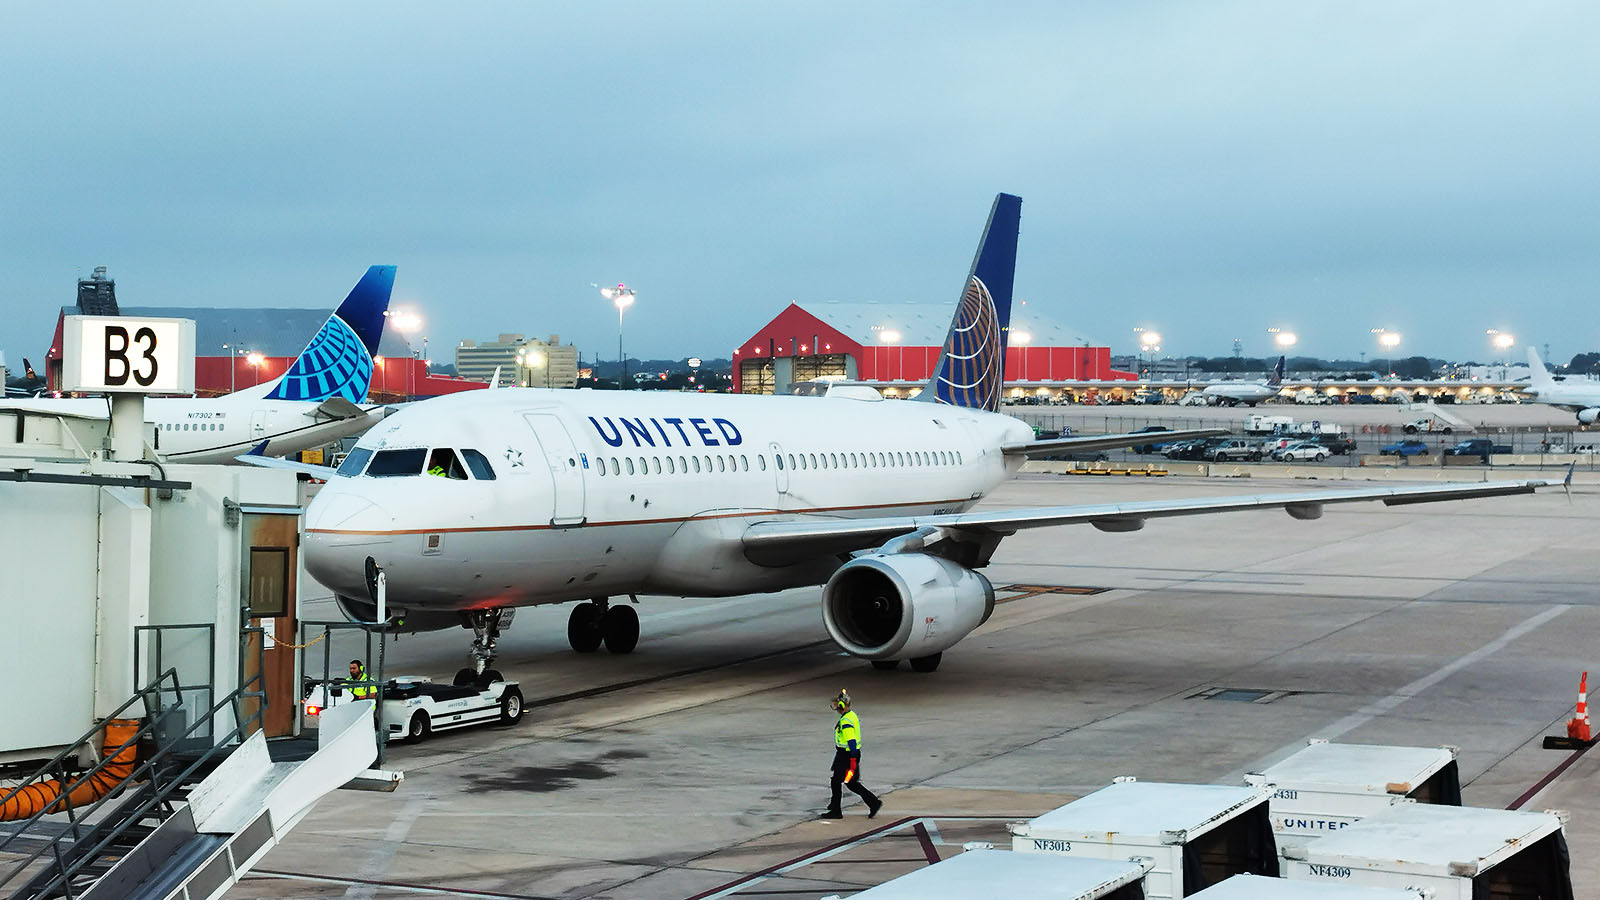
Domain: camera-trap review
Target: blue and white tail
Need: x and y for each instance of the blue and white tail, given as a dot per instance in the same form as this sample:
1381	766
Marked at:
338	361
1277	374
971	366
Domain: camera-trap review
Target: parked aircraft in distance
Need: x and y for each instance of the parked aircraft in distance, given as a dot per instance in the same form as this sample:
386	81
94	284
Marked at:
1247	392
27	384
1576	395
317	401
473	504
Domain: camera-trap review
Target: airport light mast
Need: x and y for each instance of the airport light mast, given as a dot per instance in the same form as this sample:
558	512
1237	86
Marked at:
406	323
622	297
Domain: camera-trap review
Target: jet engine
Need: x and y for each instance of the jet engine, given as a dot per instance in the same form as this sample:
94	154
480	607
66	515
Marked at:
1588	416
903	605
400	621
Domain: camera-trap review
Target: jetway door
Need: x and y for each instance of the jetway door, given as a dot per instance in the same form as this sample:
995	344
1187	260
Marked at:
566	474
270	559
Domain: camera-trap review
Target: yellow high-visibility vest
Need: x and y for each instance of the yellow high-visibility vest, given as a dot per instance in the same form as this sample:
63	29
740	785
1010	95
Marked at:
847	729
362	689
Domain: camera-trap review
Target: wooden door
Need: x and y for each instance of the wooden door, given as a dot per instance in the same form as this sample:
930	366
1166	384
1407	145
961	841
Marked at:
271	548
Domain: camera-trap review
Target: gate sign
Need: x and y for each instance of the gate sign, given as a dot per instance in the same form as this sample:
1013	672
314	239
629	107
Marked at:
127	354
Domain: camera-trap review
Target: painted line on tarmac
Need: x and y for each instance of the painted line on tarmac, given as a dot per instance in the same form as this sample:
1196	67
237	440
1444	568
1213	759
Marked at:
397	886
1550	776
1388	704
394	837
667	676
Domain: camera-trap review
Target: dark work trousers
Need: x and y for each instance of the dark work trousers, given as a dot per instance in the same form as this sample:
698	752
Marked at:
842	771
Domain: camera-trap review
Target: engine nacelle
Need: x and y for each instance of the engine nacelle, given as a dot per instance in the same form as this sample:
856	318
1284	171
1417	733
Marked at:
1588	416
400	621
903	605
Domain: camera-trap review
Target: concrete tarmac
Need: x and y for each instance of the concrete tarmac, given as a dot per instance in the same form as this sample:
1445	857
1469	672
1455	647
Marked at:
695	766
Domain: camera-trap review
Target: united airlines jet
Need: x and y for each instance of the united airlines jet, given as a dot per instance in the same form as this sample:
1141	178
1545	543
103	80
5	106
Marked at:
1247	392
317	401
1579	396
473	504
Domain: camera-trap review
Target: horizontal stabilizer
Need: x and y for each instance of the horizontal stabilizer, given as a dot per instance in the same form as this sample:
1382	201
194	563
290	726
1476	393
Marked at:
337	408
1052	446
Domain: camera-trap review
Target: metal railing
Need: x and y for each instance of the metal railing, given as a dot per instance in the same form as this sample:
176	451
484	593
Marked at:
62	865
332	683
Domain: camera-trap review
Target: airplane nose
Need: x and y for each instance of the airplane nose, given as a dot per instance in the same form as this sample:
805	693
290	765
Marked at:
341	532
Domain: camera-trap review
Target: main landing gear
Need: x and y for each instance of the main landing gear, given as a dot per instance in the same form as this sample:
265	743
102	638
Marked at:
485	625
597	621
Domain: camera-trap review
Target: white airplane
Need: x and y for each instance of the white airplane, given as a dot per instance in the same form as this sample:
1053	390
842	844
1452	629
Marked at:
1247	392
559	496
1577	395
314	403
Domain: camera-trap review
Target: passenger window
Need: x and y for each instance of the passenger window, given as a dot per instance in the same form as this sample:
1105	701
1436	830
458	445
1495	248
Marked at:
791	462
762	460
391	463
813	460
601	467
443	463
655	465
355	462
629	461
802	461
708	465
777	458
721	466
958	457
671	468
683	465
833	460
744	463
479	464
616	467
696	464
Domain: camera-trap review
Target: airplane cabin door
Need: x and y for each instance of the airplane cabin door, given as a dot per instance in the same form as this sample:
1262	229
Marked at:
780	469
561	458
258	424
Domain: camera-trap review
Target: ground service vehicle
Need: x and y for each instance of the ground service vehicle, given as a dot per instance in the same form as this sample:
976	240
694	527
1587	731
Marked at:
414	707
1337	444
1405	448
1426	426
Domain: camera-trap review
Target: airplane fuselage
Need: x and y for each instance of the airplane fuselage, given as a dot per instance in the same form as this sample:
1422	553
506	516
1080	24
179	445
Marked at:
605	493
216	430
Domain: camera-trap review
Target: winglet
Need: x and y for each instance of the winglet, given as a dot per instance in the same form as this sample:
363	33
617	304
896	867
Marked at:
259	449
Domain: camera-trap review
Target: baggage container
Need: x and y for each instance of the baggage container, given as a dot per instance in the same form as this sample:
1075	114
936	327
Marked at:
983	874
1457	852
1254	887
1326	787
1195	834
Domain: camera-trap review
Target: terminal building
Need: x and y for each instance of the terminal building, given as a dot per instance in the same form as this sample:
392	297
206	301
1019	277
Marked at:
525	361
894	347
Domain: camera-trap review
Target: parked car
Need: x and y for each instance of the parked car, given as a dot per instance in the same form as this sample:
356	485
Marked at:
1337	444
1480	447
1191	450
1405	448
1233	449
1302	450
1152	447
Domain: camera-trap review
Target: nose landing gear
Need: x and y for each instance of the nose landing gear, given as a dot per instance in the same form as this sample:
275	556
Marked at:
485	625
597	621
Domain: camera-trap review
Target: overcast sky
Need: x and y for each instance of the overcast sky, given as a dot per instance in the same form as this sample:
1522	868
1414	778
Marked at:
1207	169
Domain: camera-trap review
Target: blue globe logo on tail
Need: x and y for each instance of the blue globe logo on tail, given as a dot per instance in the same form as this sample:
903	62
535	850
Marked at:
974	353
338	361
971	369
334	365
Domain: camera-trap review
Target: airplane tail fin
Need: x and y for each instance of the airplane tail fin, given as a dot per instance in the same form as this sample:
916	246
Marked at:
1277	374
971	367
338	361
1539	375
27	370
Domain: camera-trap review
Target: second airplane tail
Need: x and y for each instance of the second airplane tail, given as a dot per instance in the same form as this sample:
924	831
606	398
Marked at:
338	361
1277	374
971	367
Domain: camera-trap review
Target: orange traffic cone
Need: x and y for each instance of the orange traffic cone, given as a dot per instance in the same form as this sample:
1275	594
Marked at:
1578	725
1578	733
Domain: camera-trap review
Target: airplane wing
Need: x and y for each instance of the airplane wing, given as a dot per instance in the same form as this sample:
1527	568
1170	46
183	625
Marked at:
336	408
780	543
1053	446
255	458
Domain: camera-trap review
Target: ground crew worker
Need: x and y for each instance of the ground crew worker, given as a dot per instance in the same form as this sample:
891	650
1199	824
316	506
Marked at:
847	759
360	687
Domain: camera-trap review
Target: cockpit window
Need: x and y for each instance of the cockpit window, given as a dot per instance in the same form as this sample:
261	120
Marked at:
389	463
355	462
444	463
479	465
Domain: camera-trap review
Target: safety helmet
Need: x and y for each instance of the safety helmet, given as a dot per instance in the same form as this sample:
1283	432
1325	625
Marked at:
841	701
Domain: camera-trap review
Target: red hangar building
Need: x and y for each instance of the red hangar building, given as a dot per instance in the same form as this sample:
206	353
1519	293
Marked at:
894	346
